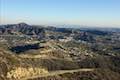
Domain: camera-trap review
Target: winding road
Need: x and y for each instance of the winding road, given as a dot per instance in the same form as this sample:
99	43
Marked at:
54	73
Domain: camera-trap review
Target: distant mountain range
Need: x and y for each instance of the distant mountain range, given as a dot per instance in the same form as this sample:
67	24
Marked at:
81	27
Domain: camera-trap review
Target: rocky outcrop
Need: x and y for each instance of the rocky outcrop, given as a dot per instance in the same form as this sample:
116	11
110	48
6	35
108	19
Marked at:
20	72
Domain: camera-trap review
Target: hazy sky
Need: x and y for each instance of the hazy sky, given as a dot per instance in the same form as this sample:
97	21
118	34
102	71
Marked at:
79	12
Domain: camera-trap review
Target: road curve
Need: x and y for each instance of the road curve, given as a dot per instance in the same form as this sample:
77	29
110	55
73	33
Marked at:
53	73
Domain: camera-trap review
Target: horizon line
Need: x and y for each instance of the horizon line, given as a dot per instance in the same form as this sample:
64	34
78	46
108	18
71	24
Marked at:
64	25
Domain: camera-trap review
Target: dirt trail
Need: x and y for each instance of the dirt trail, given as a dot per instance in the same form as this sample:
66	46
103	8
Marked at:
53	73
